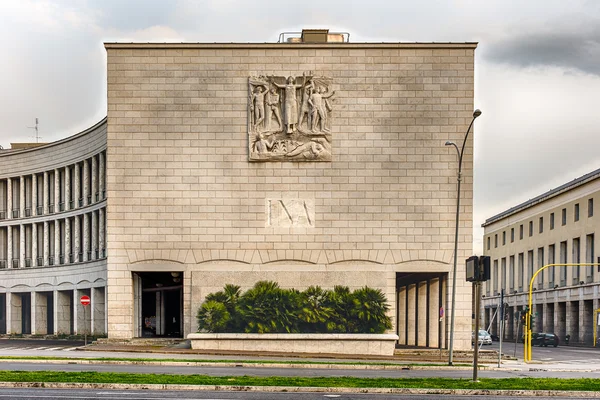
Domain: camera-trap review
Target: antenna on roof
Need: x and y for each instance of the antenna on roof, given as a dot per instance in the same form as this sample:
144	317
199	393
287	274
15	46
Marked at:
37	136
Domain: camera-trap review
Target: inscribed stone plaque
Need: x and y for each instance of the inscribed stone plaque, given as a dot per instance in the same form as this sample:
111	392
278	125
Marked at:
290	213
289	119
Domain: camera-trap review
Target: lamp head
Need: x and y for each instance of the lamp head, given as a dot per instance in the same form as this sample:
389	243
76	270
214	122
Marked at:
448	143
476	113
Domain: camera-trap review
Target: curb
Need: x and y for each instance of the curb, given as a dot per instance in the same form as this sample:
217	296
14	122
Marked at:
296	389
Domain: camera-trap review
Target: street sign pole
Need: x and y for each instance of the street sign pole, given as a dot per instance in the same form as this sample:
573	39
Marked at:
85	301
501	327
477	288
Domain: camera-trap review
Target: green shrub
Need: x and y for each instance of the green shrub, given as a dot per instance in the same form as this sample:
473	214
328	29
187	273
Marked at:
369	311
213	317
267	308
314	311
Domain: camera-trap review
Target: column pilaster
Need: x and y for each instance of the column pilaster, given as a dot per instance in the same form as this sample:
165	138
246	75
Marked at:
76	247
45	194
77	186
34	194
86	237
57	239
34	244
94	245
67	187
9	247
101	231
101	179
67	240
46	244
21	246
57	190
86	182
9	204
22	197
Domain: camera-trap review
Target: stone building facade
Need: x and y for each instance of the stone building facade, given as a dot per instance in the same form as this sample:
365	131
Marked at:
210	180
557	227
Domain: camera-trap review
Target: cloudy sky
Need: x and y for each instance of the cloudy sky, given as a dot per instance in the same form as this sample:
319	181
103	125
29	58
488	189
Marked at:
537	69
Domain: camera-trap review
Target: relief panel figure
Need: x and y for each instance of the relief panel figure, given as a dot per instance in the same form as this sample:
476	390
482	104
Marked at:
289	119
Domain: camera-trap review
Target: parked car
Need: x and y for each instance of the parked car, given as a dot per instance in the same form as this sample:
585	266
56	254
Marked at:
544	339
484	337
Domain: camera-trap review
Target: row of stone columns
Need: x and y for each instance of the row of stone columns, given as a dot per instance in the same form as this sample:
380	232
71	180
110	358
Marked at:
94	239
573	318
67	315
49	206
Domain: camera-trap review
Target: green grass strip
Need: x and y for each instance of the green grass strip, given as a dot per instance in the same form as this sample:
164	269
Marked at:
425	383
192	360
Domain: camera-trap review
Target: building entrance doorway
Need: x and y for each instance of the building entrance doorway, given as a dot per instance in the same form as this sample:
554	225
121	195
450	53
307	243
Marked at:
158	304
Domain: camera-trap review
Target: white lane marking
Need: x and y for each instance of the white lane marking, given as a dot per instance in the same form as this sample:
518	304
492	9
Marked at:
70	348
332	395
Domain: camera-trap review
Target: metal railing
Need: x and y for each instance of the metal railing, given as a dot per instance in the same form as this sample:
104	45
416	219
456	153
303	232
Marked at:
15	263
2	214
3	263
28	262
15	213
28	211
61	206
50	260
39	210
51	208
40	261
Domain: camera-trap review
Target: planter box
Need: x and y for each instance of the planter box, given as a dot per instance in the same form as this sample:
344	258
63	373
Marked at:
313	343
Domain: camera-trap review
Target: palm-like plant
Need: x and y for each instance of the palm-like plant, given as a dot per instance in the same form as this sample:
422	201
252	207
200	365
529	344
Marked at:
315	311
370	311
266	308
213	317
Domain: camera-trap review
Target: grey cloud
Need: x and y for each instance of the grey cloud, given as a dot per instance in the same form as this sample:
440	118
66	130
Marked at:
575	48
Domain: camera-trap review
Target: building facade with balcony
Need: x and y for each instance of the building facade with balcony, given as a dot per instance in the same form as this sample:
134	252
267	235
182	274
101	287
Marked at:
53	236
557	227
211	181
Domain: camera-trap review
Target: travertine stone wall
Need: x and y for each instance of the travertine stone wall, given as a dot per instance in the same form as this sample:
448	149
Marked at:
182	194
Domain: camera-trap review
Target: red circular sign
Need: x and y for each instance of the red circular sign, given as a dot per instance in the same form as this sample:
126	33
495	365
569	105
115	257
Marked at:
85	300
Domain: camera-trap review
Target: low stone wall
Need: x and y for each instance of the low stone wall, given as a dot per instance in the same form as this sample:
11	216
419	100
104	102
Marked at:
349	344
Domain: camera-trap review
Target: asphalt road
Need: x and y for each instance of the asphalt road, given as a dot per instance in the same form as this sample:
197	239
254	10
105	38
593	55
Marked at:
95	394
562	354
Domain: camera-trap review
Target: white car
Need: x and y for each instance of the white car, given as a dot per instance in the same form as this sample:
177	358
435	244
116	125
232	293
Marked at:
484	337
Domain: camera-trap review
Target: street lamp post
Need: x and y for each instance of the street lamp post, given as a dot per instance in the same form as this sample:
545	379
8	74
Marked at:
460	153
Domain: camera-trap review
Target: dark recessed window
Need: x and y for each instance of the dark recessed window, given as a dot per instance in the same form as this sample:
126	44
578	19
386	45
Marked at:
576	212
503	238
530	228
541	224
512	235
521	232
590	207
564	216
488	246
496	240
551	221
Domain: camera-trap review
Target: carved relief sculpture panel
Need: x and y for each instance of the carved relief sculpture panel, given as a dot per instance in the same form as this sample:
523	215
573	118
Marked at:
289	118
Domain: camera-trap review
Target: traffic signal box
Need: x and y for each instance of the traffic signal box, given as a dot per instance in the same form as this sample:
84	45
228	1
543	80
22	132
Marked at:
478	269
